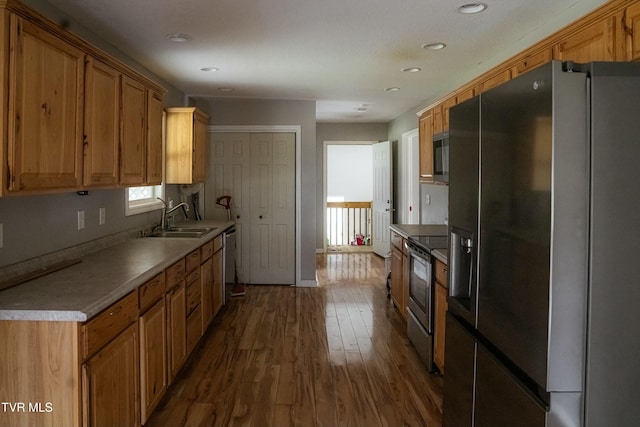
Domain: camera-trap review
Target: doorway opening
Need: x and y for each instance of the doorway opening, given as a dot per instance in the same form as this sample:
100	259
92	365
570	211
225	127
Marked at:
348	196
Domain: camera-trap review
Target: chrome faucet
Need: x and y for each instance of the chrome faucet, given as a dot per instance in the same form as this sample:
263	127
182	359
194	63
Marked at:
165	212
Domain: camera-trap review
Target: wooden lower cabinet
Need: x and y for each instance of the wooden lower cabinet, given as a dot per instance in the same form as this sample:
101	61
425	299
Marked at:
218	281
176	329
206	277
110	383
153	358
440	314
399	274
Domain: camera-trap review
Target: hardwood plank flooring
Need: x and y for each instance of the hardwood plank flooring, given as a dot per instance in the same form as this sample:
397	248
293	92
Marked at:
335	355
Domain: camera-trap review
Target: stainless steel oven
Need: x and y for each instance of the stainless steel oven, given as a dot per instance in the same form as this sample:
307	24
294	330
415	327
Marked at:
421	295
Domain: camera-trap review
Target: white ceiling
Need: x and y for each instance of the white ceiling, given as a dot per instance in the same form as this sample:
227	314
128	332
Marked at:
341	53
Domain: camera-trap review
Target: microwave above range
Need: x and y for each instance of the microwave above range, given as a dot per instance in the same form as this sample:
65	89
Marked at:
441	157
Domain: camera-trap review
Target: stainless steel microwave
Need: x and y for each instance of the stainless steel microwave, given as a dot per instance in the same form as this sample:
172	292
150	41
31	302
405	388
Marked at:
441	157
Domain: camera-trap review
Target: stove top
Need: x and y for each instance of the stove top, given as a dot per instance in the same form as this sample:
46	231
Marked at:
429	243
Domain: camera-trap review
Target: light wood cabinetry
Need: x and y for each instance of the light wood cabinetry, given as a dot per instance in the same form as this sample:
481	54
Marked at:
186	146
176	299
110	383
631	27
76	118
153	345
493	81
425	137
532	61
154	137
110	371
440	314
46	79
596	42
101	124
399	273
133	153
218	281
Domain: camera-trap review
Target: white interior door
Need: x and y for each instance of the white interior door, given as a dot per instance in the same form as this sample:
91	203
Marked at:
258	171
229	164
382	197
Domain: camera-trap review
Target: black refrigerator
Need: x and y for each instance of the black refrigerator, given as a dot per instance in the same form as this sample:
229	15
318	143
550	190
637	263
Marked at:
544	223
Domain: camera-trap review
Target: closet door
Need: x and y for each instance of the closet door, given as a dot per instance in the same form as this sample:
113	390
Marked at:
258	171
272	208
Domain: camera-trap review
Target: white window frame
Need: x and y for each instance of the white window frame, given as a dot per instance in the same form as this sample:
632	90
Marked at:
135	207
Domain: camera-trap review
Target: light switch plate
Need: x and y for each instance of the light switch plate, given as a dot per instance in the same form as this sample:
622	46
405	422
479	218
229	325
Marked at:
102	216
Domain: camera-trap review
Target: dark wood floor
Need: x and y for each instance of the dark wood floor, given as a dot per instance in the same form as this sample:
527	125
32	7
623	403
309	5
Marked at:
336	355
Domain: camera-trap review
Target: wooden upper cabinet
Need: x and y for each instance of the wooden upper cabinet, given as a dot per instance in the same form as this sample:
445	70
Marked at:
437	120
133	132
154	138
464	95
446	106
631	24
596	42
496	80
46	84
425	132
532	61
101	124
186	155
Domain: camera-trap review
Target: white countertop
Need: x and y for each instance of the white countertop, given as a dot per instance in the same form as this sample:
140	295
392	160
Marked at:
81	291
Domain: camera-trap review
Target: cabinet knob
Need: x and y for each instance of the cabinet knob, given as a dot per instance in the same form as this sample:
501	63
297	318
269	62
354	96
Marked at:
260	216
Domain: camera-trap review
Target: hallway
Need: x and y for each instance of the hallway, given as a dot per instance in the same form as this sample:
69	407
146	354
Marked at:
335	355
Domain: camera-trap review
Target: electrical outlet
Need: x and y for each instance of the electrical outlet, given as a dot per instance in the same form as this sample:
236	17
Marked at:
102	216
80	220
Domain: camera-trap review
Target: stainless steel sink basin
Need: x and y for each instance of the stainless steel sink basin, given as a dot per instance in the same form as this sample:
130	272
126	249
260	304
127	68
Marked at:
183	232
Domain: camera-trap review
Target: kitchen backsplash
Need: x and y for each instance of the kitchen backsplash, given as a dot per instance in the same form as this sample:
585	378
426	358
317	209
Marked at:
434	204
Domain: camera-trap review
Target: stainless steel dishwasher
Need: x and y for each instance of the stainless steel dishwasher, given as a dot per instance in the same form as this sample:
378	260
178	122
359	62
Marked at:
229	241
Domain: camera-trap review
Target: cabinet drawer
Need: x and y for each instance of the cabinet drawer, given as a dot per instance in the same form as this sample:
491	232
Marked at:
175	273
108	324
441	273
217	243
193	290
192	261
206	251
151	292
397	241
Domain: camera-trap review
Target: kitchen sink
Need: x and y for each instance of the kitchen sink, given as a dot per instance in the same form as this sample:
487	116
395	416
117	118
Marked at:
183	232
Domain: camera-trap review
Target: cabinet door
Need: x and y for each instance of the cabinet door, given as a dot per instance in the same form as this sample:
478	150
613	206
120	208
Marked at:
218	281
425	131
632	31
46	84
101	123
438	122
532	61
199	147
110	383
133	133
153	358
206	277
154	138
439	330
498	79
177	328
593	43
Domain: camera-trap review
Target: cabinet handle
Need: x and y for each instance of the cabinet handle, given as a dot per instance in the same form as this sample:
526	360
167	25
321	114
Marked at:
260	216
116	311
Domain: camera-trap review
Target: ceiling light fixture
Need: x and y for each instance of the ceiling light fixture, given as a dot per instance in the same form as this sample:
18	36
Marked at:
392	89
434	46
411	70
361	109
225	89
179	38
209	69
472	8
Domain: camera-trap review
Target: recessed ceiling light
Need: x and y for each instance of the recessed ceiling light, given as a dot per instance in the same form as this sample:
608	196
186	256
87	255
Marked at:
209	69
411	70
179	38
472	8
361	109
225	89
434	46
392	89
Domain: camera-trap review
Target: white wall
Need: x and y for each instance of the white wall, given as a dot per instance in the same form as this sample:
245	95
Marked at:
434	199
350	172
